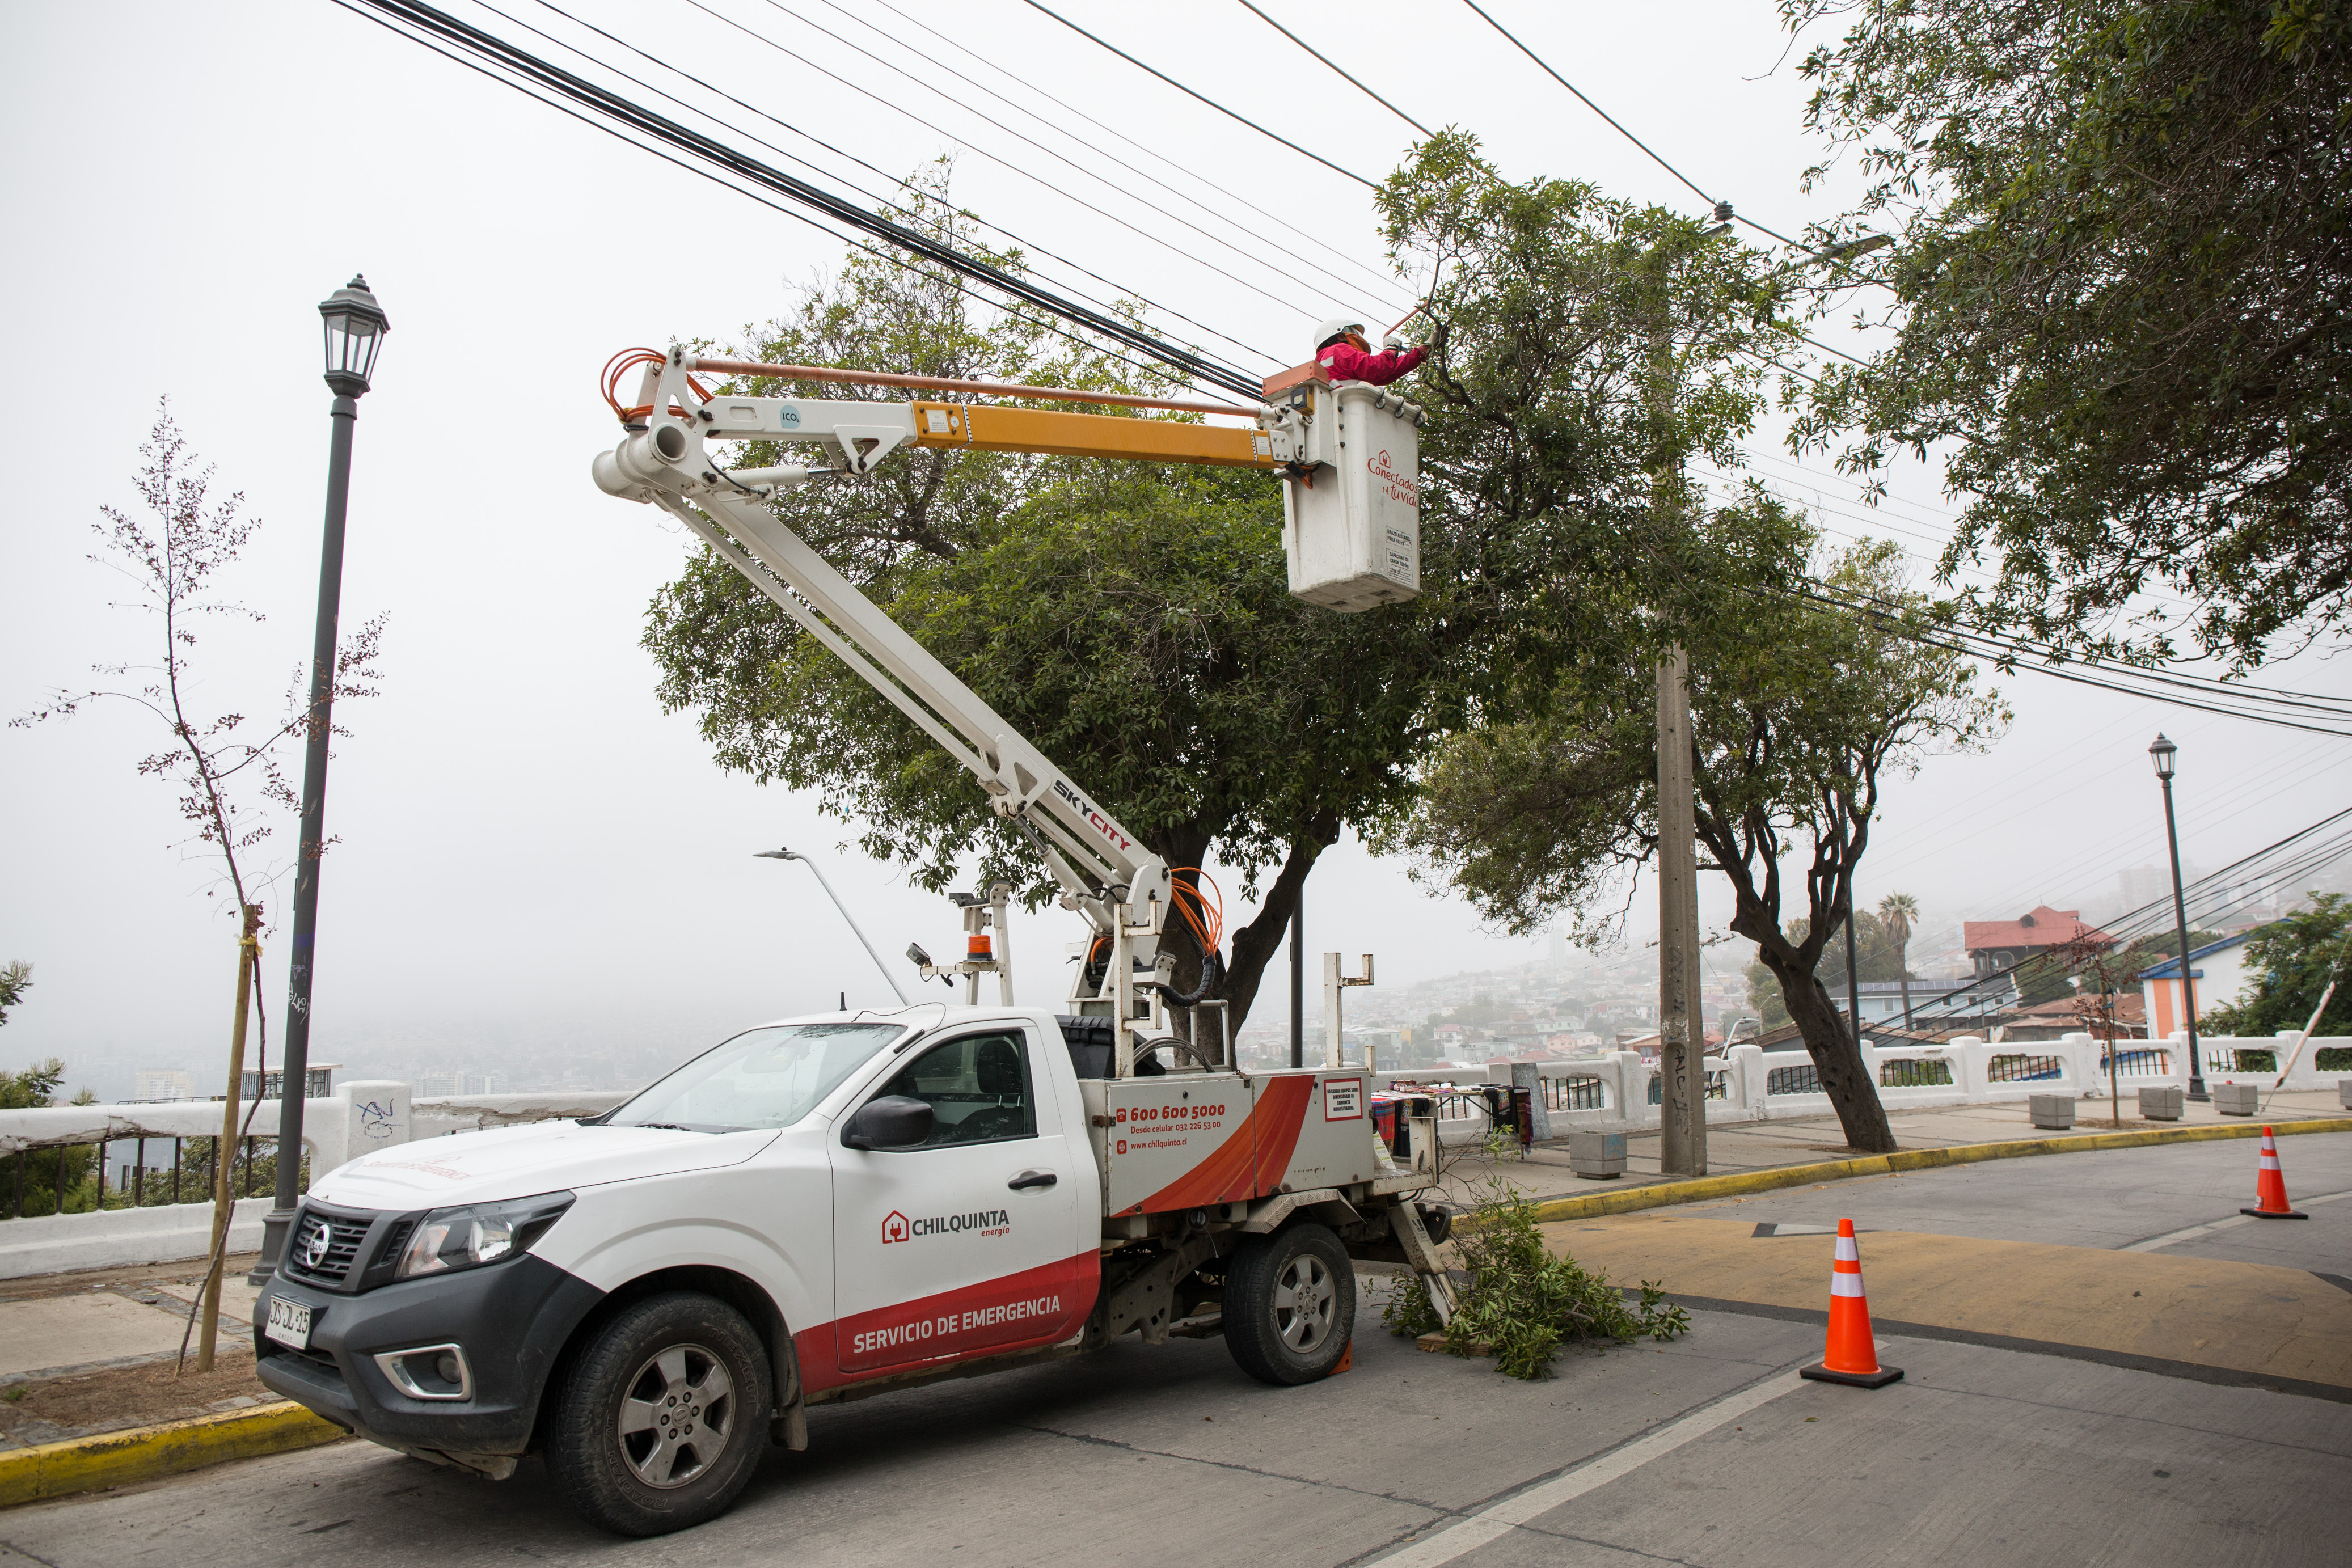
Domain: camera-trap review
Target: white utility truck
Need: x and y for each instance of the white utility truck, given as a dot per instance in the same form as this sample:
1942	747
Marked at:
831	1207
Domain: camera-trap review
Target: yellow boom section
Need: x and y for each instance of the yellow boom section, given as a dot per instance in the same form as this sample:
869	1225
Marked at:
989	427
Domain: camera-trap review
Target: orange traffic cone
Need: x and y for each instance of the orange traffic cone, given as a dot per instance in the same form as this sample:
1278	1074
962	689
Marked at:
2270	1184
1852	1356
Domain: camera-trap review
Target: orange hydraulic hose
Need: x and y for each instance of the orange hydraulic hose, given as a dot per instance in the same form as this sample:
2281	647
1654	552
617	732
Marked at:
948	383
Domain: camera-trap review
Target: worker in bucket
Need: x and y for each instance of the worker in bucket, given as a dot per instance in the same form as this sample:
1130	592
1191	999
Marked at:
1341	349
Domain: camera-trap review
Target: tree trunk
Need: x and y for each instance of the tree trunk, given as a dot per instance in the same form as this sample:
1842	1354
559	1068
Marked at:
1845	1078
1253	947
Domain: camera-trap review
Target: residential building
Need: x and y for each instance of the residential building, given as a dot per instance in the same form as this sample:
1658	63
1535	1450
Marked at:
1995	945
2216	974
1935	1004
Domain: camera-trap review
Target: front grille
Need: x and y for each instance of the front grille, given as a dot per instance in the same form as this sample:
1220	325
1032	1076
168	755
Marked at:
343	1240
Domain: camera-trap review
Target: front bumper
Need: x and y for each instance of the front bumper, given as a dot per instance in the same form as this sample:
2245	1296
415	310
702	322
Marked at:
513	1318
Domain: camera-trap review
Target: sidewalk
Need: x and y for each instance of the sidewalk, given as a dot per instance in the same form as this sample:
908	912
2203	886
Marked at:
95	1352
1762	1145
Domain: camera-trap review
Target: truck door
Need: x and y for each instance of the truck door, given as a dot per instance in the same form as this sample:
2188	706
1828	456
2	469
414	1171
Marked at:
967	1243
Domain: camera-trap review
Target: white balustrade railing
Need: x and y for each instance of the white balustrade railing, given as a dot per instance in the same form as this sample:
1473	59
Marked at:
1610	1092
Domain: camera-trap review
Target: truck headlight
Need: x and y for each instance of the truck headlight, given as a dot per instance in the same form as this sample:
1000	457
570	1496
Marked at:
480	1233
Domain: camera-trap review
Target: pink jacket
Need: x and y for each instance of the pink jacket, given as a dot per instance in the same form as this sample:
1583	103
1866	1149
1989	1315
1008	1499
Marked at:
1347	362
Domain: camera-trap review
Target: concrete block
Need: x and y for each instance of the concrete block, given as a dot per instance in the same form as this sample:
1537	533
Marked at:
2343	1091
2160	1104
2054	1113
2237	1099
1597	1156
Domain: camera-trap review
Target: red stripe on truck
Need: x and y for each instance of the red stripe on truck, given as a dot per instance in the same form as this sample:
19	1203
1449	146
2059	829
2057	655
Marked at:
1250	1163
1035	1307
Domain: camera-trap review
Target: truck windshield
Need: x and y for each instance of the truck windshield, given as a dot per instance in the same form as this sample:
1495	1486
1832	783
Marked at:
761	1078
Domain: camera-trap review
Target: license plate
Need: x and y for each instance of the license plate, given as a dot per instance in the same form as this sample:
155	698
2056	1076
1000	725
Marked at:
289	1322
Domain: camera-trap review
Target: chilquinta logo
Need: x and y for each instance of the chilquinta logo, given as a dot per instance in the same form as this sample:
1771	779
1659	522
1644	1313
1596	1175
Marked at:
897	1227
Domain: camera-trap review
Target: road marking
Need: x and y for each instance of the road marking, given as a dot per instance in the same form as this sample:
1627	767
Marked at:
2171	1238
1522	1507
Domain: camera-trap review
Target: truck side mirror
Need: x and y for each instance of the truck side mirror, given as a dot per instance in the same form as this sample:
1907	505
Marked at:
892	1122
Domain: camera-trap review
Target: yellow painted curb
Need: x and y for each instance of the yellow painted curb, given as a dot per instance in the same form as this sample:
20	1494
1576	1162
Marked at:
146	1453
1701	1189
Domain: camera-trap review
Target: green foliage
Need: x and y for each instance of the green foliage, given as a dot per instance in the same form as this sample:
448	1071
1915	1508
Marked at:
2294	958
33	1087
1134	620
1521	1300
1878	959
2118	301
1798	712
15	979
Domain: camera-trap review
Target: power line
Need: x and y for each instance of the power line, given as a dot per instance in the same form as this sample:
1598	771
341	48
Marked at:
1233	196
1254	236
1327	60
1212	103
1074	165
621	111
820	141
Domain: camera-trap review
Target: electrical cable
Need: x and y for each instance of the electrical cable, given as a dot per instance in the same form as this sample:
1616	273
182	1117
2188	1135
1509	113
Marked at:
1234	197
1247	232
1046	325
613	107
1213	103
1327	59
753	109
1003	163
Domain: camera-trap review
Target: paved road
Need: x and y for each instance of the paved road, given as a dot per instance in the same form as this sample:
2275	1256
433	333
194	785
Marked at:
1169	1456
2122	1198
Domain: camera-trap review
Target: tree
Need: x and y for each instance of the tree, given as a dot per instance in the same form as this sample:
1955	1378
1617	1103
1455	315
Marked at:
2294	958
1134	620
224	770
2118	302
1879	959
1896	912
15	979
1798	711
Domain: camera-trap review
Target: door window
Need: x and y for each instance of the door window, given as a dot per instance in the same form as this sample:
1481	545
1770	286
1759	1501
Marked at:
977	1087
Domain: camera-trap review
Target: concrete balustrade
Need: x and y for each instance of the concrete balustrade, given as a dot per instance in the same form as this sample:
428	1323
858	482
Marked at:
1606	1093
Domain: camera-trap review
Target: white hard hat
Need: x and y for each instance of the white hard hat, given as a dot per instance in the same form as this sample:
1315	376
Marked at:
1336	328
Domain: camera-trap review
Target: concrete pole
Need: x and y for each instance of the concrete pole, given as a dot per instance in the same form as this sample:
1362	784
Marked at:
1298	980
1681	1031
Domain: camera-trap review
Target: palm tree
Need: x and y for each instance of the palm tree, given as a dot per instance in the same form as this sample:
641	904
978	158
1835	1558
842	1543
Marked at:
1896	912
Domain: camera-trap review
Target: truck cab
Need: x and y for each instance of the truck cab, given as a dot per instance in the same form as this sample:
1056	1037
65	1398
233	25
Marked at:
814	1209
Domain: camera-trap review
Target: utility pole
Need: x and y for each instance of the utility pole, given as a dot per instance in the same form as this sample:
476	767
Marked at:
1298	979
1682	1037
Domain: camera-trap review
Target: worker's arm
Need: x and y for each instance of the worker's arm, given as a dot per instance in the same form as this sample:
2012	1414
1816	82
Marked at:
1345	362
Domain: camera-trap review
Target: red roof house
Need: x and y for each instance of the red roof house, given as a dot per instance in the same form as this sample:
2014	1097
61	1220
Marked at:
1998	945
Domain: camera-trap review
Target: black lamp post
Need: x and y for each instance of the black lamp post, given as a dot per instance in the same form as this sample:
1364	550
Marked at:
2163	752
355	325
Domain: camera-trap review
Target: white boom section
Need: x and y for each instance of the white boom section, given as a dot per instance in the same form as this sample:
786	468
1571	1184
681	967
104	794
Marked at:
1121	887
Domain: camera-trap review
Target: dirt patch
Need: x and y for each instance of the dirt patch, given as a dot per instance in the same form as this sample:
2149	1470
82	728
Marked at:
126	1396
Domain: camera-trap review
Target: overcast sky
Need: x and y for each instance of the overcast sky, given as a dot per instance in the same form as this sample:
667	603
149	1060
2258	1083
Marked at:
530	848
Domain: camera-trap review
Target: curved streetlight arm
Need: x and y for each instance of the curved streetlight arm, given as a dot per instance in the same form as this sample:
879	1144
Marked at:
850	920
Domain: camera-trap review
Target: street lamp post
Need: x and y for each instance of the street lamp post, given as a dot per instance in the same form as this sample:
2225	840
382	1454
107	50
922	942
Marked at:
784	854
355	327
2163	752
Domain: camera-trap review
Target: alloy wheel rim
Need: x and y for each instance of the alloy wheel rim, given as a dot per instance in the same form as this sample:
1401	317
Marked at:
1305	1298
675	1416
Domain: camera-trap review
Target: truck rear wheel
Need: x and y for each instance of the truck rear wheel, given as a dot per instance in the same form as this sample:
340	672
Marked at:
663	1416
1290	1305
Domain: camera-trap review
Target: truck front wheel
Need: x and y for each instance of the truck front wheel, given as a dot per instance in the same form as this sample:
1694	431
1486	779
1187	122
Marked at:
662	1417
1290	1305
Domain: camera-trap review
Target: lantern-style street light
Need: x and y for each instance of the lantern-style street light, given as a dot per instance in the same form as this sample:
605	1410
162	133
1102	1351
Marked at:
2164	751
355	325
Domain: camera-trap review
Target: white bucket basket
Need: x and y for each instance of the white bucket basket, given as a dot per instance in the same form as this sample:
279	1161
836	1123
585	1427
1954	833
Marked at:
1354	538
